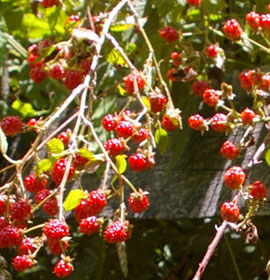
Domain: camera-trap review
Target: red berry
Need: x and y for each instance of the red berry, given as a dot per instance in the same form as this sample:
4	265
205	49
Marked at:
89	225
27	246
32	122
212	51
3	222
59	170
79	161
247	116
85	65
129	83
157	102
3	206
229	211
137	162
114	147
109	122
50	206
196	122
57	71
248	79
124	129
37	74
56	229
9	236
32	49
140	135
194	2
229	150
138	202
232	29
11	125
20	210
91	206
211	97
33	60
199	87
264	82
174	55
64	137
219	122
23	262
258	190
172	74
253	20
264	23
34	184
117	232
72	18
57	246
126	115
63	269
49	3
234	177
73	79
169	34
168	123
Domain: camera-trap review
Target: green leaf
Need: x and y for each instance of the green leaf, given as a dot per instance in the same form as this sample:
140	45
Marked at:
115	58
118	27
122	91
87	154
267	156
121	165
3	142
25	109
146	102
45	165
55	146
162	140
73	199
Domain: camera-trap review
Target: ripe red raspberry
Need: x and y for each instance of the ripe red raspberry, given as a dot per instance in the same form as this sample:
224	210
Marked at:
211	97
229	150
212	51
57	71
114	147
124	129
23	262
85	65
199	87
194	2
32	122
264	23
27	246
232	29
229	211
93	205
63	269
138	202
169	34
33	60
247	116
20	210
49	3
196	122
219	122
57	246
32	49
3	206
157	102
168	123
137	162
3	222
129	83
38	74
117	232
258	190
174	55
89	225
247	80
59	170
64	137
11	125
34	184
56	229
265	82
109	122
73	79
140	135
79	161
9	236
50	206
253	20
234	177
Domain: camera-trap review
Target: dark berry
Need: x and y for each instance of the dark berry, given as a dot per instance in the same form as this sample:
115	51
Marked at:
73	79
11	125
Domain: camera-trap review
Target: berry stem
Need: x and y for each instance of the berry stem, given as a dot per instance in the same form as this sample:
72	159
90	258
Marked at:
34	228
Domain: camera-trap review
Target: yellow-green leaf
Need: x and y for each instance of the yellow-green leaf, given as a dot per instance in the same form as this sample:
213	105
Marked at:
73	199
44	165
162	139
146	102
87	154
25	109
118	27
115	58
55	146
